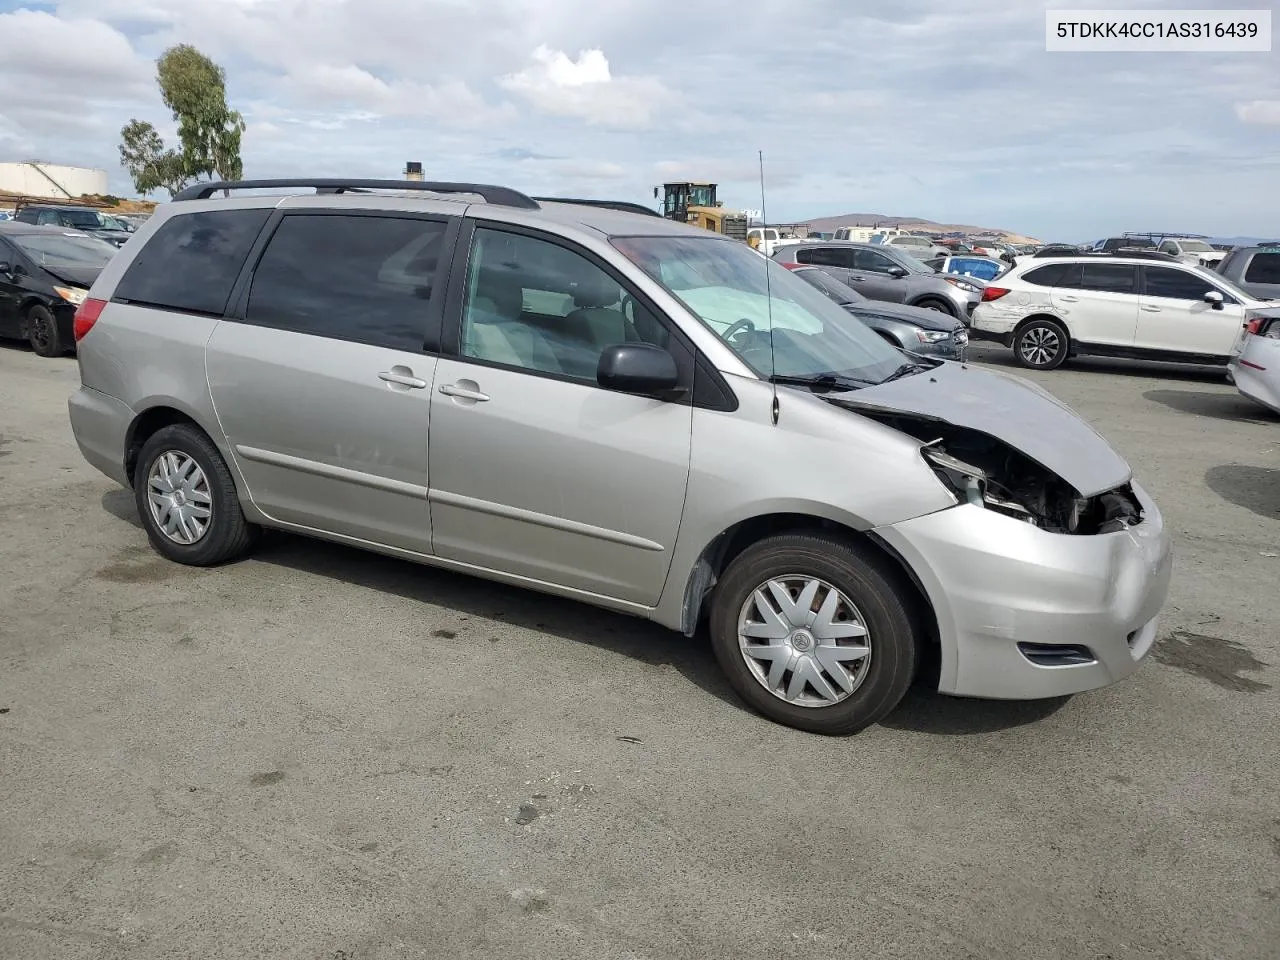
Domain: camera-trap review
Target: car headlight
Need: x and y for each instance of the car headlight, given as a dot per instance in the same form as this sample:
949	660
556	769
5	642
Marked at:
957	282
73	295
963	479
932	336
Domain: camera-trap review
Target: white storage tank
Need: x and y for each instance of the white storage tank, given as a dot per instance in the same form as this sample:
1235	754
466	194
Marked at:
33	178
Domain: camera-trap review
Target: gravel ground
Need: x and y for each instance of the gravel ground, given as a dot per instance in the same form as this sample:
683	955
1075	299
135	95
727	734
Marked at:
318	753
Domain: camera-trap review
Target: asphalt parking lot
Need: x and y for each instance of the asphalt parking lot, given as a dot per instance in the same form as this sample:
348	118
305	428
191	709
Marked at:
319	753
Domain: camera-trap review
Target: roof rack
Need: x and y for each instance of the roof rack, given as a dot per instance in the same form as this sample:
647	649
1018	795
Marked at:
1135	253
1161	236
621	205
504	196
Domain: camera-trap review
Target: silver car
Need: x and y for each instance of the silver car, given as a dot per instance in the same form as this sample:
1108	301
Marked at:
622	410
881	272
1255	369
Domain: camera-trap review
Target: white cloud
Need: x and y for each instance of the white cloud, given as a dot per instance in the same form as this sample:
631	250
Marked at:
585	88
1259	111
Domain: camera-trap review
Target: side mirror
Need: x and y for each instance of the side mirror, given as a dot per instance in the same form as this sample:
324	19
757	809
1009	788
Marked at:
640	368
897	272
1213	297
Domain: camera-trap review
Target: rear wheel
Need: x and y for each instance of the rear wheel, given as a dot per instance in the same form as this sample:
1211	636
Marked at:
814	633
42	332
1040	345
187	498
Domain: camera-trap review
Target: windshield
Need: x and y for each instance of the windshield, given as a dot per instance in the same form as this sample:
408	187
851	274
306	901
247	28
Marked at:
829	285
65	249
909	259
775	322
1195	246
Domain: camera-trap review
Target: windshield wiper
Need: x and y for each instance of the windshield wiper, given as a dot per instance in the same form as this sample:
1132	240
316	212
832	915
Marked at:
904	371
821	382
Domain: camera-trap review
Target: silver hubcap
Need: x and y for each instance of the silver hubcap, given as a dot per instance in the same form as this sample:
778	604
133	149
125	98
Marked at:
804	640
1039	346
178	494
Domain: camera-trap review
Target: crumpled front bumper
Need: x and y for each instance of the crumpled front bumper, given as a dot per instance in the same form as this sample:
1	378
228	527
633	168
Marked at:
1009	596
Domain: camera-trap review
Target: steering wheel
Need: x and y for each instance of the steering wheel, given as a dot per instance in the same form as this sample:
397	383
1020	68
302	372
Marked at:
738	325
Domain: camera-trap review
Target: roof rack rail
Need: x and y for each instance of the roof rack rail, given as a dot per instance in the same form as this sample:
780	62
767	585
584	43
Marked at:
504	196
1161	236
622	205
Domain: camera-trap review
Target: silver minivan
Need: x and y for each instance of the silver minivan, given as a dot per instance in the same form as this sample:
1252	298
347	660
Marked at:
580	398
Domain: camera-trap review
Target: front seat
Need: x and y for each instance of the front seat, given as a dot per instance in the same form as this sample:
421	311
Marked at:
495	330
598	318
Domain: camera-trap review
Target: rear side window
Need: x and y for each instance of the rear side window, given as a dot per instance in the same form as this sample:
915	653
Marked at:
364	279
1108	278
825	256
1263	268
1050	276
192	261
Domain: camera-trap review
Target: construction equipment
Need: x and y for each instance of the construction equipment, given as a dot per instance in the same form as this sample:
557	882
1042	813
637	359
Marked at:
695	203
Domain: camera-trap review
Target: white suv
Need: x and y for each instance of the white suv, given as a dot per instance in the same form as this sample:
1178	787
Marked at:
1191	250
1144	306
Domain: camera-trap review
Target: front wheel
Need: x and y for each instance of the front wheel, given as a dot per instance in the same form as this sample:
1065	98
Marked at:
1040	345
42	332
814	633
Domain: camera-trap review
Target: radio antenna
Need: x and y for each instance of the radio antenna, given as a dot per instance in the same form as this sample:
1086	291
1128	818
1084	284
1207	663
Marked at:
768	287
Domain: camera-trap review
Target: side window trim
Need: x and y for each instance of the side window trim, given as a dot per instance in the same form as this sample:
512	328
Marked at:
238	303
455	300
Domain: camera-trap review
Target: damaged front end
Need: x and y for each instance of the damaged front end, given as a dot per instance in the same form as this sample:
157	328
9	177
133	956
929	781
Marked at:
987	472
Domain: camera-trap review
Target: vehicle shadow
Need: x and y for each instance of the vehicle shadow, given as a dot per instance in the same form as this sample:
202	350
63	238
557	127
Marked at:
121	505
923	710
999	357
1254	488
926	711
469	596
1223	406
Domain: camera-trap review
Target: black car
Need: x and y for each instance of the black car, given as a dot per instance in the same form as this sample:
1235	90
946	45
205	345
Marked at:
45	273
85	219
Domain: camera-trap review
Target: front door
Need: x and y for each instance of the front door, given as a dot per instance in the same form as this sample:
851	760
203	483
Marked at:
1173	314
536	471
1099	302
872	278
323	389
10	291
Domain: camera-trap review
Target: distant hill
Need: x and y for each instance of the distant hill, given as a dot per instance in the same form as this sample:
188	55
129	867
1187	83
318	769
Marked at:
830	224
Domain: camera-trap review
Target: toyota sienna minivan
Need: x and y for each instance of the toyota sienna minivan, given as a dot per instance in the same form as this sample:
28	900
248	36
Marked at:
586	399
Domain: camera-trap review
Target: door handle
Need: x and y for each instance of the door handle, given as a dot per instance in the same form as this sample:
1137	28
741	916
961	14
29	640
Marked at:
1069	299
858	279
1151	309
403	379
463	393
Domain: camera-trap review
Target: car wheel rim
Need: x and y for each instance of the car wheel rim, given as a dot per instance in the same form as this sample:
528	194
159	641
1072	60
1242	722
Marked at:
178	496
804	641
1039	346
38	332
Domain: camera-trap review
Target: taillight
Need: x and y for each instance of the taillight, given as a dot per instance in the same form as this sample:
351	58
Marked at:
993	293
791	266
86	316
1253	324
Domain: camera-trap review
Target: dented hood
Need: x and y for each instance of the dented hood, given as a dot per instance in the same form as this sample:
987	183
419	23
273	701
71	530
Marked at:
1009	409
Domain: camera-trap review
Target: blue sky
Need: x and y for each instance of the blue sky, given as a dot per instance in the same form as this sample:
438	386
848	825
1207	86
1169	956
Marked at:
936	108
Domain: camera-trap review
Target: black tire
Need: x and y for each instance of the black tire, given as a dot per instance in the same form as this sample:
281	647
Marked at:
42	333
938	305
228	534
873	587
1041	344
